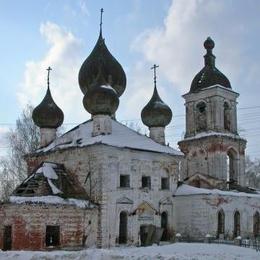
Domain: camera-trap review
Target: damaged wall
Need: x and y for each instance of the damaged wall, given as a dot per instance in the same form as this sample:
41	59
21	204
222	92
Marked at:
78	227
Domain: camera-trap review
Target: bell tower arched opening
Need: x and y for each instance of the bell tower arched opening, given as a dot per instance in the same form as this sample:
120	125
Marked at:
227	117
231	159
201	117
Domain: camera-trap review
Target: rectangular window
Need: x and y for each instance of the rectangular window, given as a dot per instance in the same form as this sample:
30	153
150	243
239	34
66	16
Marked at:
146	182
165	183
52	236
124	181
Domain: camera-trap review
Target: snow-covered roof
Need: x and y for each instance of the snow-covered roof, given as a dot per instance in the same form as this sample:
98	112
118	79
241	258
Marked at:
51	200
185	190
121	136
212	133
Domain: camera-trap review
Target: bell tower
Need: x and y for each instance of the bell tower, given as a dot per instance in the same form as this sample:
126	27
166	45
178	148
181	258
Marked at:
212	145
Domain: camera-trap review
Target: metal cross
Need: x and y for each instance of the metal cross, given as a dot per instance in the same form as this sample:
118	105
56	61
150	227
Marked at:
154	67
48	76
101	18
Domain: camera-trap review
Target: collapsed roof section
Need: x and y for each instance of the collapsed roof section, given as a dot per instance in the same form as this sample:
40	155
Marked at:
50	179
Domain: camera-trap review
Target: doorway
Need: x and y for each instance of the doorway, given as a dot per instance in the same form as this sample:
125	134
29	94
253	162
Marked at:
7	238
123	228
164	225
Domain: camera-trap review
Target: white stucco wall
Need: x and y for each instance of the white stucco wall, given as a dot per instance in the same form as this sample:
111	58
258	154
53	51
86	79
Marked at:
197	214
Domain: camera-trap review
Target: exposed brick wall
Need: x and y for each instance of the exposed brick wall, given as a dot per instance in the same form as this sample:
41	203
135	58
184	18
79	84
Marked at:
29	225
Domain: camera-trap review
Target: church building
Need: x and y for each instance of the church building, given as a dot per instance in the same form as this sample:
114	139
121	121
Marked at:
102	184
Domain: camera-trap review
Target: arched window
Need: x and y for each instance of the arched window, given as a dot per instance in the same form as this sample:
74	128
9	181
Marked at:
231	165
123	228
221	223
256	227
236	224
164	225
227	117
201	117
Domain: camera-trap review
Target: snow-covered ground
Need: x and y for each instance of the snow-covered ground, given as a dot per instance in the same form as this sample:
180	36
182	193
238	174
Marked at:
177	251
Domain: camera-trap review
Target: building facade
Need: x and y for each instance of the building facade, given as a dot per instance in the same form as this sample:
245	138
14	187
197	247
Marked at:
102	184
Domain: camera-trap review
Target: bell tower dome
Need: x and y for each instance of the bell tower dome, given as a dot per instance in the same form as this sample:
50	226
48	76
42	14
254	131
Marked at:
212	145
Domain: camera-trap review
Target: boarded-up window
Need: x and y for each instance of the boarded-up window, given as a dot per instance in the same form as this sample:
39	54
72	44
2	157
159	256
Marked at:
52	236
124	181
146	182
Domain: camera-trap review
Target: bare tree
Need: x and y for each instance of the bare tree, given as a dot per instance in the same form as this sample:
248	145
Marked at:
253	173
22	140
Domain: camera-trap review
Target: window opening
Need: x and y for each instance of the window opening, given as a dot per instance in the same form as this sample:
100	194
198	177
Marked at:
146	182
165	183
52	236
124	181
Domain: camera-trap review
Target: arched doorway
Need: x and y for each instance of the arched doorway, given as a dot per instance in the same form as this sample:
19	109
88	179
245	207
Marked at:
221	223
236	224
164	225
123	228
256	227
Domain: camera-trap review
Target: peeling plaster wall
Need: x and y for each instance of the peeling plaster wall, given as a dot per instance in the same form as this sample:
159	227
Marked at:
197	214
208	155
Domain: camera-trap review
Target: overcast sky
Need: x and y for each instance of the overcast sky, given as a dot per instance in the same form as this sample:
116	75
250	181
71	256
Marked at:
139	33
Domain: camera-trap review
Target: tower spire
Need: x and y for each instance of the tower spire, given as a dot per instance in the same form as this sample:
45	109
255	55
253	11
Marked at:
101	20
48	77
209	57
154	67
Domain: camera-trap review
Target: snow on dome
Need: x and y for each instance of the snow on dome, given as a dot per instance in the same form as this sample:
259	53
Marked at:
121	136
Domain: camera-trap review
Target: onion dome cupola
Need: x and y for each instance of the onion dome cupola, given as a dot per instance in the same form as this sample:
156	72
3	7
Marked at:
156	113
100	56
209	75
47	114
101	99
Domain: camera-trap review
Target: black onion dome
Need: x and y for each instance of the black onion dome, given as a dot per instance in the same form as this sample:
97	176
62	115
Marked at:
209	75
156	113
47	114
101	99
113	71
